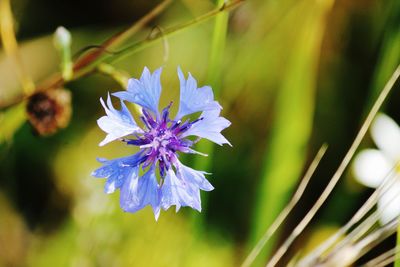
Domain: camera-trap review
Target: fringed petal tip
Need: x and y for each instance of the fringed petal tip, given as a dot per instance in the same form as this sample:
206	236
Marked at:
192	98
116	123
145	91
210	127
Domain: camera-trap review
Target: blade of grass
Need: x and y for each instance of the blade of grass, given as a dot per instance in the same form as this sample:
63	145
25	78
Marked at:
292	124
214	80
217	49
11	46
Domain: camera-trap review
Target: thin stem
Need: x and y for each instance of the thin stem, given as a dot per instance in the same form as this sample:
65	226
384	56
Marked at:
343	165
349	254
289	207
375	238
120	37
173	30
367	206
389	260
367	224
383	258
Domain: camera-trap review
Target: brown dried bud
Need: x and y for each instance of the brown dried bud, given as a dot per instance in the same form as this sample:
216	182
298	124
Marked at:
49	111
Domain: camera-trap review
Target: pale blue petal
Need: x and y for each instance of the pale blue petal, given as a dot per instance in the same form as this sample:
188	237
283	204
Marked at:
145	92
193	99
129	189
194	191
138	192
210	127
117	123
175	191
116	171
194	177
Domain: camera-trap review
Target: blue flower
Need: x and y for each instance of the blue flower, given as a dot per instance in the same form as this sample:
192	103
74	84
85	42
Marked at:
166	181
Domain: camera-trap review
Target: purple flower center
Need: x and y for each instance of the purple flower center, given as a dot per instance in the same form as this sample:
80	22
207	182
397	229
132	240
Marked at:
161	139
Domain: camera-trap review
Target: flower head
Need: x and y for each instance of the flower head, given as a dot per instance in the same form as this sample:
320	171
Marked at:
372	166
166	181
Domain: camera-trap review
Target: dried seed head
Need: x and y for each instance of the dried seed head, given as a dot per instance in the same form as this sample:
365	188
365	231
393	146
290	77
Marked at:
49	111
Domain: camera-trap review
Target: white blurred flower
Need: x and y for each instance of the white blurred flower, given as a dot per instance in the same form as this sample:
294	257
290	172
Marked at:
372	166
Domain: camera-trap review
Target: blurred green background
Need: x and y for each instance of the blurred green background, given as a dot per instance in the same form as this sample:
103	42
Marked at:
290	75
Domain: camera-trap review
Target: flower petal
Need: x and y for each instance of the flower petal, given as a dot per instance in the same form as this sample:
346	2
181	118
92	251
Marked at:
370	167
386	134
193	99
138	192
116	171
194	177
176	191
210	127
389	202
116	124
145	92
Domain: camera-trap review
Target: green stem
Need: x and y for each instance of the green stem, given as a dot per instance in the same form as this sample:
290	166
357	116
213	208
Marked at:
214	79
67	66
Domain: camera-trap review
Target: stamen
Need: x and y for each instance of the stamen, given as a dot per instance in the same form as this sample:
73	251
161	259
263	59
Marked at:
166	161
136	142
160	142
186	126
145	122
182	127
165	113
197	152
161	167
176	124
149	119
146	146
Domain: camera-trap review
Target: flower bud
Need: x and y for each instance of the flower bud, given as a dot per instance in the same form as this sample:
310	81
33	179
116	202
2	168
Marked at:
62	38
